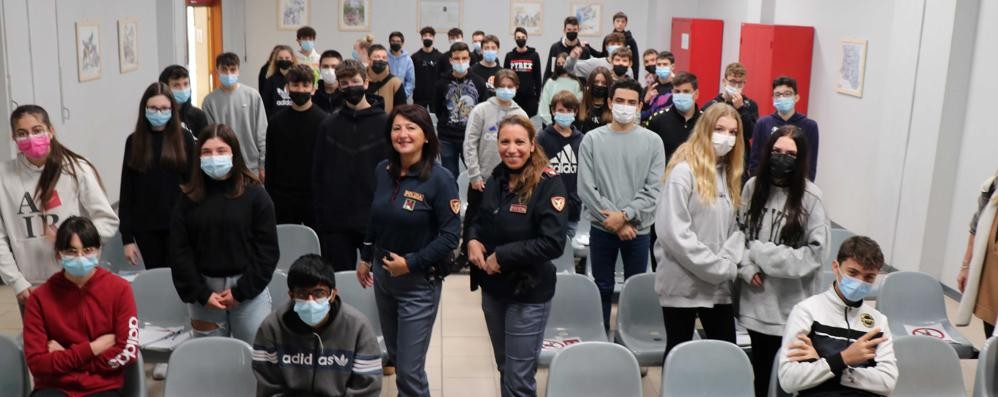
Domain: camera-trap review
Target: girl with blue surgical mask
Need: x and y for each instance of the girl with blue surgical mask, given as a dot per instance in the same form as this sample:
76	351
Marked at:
159	156
223	241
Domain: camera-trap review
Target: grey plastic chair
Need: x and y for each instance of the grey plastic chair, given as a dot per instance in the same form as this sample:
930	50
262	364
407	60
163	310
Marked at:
573	374
135	379
927	367
775	390
211	366
913	298
15	380
462	190
837	237
112	256
707	368
362	299
640	326
295	241
278	290
582	234
985	384
566	262
157	301
576	312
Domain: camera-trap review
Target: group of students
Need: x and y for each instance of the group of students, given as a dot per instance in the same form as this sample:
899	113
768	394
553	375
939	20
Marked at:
332	144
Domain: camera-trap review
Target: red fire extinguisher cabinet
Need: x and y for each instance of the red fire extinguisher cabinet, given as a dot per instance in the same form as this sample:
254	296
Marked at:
696	44
769	51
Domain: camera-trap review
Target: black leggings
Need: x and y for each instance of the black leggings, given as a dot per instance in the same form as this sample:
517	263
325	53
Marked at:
764	350
718	322
60	393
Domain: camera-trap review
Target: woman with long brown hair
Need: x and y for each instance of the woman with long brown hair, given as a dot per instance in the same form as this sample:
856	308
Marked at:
223	241
158	159
46	184
519	229
594	111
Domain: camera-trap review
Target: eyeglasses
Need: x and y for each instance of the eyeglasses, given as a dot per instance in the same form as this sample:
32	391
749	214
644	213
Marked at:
305	293
783	95
88	251
158	109
21	135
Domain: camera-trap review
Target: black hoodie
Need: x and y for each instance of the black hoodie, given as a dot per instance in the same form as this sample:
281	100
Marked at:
348	145
633	45
527	66
193	118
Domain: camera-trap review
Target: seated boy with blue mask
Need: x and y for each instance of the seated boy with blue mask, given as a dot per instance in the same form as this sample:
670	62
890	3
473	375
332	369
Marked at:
316	345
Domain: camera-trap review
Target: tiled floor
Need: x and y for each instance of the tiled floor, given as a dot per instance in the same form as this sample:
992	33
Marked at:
460	361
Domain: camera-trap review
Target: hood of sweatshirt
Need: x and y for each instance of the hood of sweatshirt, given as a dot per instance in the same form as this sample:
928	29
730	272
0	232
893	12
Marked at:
394	57
362	114
798	116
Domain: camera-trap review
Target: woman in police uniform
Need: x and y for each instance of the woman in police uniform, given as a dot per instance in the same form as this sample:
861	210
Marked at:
519	228
413	228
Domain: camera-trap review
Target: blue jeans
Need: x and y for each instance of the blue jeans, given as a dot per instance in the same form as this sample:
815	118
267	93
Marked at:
603	249
517	334
241	322
407	307
450	154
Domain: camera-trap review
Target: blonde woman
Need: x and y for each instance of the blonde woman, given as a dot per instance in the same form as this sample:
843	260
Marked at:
978	278
699	244
274	90
361	48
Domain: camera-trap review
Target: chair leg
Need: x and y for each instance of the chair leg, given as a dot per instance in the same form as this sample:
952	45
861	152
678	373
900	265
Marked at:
159	371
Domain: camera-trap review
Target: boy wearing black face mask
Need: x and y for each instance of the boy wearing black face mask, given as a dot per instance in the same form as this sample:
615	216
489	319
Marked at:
383	83
582	68
290	168
348	146
565	45
400	62
527	64
424	64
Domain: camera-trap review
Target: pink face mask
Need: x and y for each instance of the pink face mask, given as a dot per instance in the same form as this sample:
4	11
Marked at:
35	146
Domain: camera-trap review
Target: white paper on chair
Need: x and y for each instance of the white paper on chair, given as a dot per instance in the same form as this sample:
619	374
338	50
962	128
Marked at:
162	338
935	330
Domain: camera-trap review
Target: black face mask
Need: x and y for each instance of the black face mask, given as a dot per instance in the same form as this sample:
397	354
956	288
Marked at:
427	43
559	70
781	167
571	36
353	94
650	69
599	91
299	98
283	64
619	70
521	43
395	47
379	66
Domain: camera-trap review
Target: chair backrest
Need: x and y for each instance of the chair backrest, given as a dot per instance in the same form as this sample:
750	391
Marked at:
112	256
837	237
912	298
462	186
211	366
156	299
638	303
135	379
14	377
576	303
566	262
985	382
729	369
350	291
295	241
775	390
594	369
927	367
278	290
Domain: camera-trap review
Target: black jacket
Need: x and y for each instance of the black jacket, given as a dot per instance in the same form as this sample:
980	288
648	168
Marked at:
146	198
559	48
425	67
749	114
330	103
672	127
348	145
525	237
413	218
275	94
527	66
564	155
289	168
635	54
193	118
452	102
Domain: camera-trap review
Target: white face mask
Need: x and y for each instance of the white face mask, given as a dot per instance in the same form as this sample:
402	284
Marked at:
723	143
624	114
328	75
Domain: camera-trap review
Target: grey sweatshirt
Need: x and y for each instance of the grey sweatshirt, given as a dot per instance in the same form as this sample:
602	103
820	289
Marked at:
790	275
621	171
242	110
699	244
481	153
582	68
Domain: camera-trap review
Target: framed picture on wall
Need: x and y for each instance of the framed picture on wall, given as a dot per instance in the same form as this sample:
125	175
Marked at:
355	15
853	67
89	60
527	14
442	15
292	14
128	45
589	15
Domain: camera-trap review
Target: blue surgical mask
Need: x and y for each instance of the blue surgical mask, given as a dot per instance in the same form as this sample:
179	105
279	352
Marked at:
683	101
564	119
228	80
783	105
355	55
312	311
308	45
663	72
158	119
79	266
182	96
460	67
610	49
853	289
505	94
217	167
490	55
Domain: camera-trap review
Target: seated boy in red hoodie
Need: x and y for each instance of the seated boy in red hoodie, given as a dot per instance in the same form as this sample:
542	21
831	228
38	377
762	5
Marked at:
80	327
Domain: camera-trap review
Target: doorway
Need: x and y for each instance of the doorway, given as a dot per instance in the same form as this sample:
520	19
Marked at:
204	42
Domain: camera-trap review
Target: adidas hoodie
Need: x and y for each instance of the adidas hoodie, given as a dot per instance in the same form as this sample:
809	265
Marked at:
291	358
26	256
833	325
481	150
74	316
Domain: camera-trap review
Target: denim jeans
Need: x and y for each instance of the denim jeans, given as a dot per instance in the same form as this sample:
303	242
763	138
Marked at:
517	334
603	249
450	154
241	322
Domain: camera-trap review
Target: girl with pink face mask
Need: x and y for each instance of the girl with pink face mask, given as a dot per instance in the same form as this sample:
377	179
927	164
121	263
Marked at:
45	184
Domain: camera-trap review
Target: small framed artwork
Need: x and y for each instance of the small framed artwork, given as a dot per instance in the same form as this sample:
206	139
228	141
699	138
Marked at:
589	16
355	15
527	14
853	67
128	44
89	60
292	14
442	15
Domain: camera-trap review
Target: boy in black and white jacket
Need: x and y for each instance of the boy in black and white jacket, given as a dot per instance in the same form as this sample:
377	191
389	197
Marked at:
833	344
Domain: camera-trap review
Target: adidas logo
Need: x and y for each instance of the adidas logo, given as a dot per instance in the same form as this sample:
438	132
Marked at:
565	162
